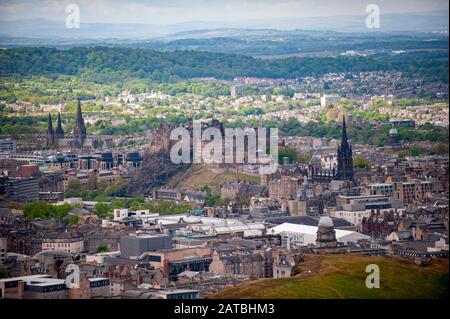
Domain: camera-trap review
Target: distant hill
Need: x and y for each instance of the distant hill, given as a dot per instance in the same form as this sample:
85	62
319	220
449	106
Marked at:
41	28
343	276
247	41
107	65
418	22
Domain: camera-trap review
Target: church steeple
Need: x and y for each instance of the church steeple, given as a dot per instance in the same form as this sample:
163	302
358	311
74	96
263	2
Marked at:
50	132
59	130
345	157
344	130
79	132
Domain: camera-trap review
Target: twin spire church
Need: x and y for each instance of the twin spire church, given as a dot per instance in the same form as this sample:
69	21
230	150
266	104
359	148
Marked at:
78	139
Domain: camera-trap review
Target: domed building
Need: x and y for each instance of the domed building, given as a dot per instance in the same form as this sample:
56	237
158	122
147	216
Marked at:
393	138
326	235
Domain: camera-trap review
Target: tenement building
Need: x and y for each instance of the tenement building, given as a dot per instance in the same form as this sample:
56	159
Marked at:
66	241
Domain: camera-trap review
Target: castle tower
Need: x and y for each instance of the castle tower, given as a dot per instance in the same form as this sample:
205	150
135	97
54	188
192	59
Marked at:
344	157
50	132
79	131
59	133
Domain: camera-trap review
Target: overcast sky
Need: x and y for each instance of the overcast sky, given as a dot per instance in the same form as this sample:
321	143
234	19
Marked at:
229	11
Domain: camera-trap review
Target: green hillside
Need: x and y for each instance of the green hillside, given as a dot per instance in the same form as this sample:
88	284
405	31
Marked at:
343	276
196	177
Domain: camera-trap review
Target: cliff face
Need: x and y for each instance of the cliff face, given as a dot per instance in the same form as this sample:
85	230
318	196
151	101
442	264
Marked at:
155	170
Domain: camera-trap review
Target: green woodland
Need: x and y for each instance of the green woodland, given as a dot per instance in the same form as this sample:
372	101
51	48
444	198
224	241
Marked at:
110	65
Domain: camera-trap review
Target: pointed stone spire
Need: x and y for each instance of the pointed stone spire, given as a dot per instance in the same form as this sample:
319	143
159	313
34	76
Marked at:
50	132
345	157
50	124
79	132
344	132
59	130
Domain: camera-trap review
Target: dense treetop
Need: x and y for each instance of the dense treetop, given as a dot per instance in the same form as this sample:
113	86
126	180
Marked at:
106	65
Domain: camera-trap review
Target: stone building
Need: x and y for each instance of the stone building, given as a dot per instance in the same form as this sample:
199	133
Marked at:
59	132
50	132
326	235
344	170
380	224
284	189
239	191
46	287
79	132
283	263
107	239
414	191
66	241
251	264
345	157
175	261
79	138
20	241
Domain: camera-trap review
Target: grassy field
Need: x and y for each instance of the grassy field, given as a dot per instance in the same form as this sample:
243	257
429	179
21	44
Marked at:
197	176
343	276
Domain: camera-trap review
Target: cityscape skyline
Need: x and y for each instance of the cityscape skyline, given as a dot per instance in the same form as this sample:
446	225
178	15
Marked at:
246	150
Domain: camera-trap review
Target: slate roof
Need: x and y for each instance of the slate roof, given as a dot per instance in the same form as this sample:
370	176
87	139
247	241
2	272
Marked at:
62	235
79	212
237	259
104	235
307	220
435	237
245	242
121	261
403	235
46	223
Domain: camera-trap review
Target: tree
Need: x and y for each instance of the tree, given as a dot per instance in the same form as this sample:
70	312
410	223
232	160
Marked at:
74	219
61	211
290	153
304	158
361	162
212	200
416	151
118	188
102	249
74	189
44	210
403	153
102	210
205	188
37	210
3	273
